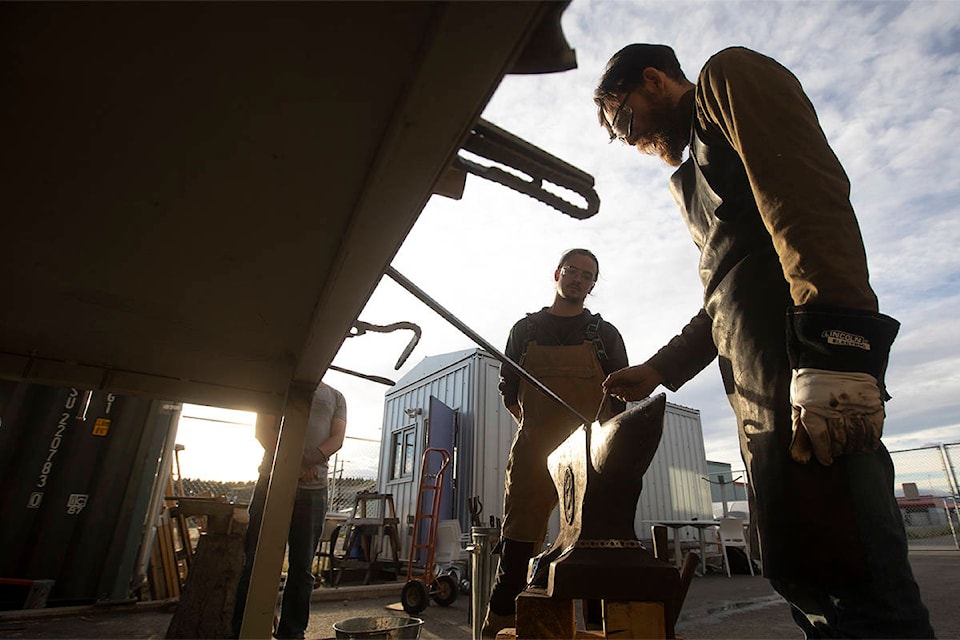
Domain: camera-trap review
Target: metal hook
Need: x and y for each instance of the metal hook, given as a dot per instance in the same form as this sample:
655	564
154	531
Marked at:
359	328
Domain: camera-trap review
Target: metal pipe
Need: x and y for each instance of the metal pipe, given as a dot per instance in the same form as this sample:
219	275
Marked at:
955	486
943	462
365	376
155	506
483	570
473	335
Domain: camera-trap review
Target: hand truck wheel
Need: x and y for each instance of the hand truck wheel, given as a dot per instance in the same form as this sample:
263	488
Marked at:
414	597
445	590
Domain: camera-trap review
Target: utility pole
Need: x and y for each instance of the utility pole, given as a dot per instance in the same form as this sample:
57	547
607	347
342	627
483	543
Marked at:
333	480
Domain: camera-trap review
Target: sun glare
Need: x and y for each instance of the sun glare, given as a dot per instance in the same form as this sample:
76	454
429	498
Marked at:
218	444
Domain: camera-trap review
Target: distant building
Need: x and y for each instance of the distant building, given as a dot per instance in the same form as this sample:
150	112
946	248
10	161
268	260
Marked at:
924	510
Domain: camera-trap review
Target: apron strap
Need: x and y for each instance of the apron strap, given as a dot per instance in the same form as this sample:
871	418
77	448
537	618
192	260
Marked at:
593	335
530	337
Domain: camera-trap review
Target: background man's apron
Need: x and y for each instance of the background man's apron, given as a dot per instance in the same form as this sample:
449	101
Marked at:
573	373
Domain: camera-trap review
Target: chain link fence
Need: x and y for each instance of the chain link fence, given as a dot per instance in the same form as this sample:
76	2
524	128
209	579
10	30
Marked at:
925	485
352	469
926	490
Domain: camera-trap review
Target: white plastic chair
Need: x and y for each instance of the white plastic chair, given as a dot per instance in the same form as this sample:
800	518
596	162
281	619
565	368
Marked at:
732	533
449	551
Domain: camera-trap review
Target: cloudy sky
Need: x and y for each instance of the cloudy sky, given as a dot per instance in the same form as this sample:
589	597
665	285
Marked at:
884	79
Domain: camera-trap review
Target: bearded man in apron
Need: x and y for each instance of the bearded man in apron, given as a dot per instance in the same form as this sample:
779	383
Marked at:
790	312
571	351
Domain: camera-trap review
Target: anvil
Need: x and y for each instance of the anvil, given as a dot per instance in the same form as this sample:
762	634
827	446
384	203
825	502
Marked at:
598	472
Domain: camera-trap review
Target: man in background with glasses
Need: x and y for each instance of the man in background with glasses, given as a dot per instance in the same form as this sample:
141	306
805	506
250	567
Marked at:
571	351
789	309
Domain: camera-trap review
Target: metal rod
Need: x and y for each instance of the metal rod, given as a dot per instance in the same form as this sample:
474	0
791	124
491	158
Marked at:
473	335
365	376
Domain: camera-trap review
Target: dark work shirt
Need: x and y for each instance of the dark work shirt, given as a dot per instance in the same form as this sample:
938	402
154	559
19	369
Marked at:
555	331
800	189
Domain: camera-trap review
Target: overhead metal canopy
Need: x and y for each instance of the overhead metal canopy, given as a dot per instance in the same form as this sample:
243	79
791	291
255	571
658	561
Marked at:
199	198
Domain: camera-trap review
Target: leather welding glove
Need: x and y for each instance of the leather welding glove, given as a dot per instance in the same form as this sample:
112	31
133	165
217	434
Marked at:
834	412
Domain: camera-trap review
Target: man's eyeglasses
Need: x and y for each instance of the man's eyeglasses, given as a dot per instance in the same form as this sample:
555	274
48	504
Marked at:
622	124
573	272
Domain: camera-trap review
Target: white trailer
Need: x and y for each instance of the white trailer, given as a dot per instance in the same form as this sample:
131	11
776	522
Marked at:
452	400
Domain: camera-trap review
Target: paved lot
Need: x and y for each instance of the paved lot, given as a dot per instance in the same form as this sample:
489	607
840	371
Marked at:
716	607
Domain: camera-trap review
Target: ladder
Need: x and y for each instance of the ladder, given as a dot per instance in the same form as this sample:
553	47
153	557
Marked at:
373	520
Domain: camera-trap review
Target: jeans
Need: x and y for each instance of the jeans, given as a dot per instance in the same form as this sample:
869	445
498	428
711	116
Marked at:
306	527
888	604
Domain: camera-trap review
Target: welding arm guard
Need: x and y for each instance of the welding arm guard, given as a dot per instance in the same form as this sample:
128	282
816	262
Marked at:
838	357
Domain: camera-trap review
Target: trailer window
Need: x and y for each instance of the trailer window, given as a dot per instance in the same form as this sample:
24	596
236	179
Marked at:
404	450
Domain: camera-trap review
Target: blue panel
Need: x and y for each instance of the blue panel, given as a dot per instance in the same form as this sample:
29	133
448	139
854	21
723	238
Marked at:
441	435
443	422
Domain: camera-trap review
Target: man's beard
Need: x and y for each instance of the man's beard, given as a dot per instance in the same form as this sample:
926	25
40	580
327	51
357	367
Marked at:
574	298
669	134
666	145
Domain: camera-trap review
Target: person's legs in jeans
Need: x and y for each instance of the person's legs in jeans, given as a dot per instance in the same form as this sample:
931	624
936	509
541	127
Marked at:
888	605
306	527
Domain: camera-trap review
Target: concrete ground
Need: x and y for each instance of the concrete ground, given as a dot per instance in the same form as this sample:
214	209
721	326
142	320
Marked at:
716	607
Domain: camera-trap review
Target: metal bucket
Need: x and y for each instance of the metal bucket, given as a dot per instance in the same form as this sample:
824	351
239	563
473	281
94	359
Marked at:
483	570
390	627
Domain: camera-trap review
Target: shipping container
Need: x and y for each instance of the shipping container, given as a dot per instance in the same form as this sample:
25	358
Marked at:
674	487
77	469
452	401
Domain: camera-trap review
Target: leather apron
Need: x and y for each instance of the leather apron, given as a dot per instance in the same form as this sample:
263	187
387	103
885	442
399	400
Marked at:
806	514
573	373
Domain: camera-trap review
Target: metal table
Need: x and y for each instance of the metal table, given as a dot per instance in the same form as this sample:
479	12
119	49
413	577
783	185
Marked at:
701	527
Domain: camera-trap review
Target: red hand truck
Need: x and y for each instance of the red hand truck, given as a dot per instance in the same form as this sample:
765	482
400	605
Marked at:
420	587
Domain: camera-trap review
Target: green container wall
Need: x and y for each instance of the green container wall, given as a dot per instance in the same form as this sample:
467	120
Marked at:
76	471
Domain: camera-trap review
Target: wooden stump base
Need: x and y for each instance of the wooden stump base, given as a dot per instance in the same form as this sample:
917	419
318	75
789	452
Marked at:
539	616
206	604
